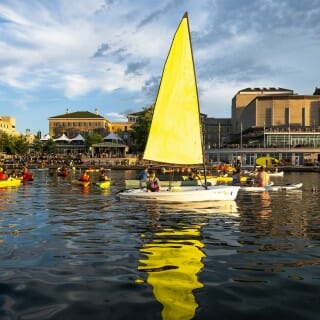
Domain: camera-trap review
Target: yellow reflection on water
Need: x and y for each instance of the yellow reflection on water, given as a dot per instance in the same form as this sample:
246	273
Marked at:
172	262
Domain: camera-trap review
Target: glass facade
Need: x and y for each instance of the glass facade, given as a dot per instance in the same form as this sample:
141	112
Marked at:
293	139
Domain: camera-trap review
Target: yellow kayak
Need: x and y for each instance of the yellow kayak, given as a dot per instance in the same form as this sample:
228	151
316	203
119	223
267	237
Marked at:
11	182
104	184
228	179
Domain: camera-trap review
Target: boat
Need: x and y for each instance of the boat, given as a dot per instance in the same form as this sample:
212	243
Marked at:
10	182
28	176
272	187
276	174
63	173
268	162
81	183
104	184
175	135
135	183
270	173
228	179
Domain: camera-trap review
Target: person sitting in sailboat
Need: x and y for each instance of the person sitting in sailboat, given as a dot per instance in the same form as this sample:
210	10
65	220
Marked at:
153	184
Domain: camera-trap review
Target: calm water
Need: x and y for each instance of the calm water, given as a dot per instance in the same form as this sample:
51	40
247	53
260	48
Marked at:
73	253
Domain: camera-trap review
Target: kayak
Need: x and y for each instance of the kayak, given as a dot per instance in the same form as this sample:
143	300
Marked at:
272	187
81	183
104	184
228	179
11	182
27	176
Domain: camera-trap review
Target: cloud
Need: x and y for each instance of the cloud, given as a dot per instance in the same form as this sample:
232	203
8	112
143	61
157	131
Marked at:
116	117
81	50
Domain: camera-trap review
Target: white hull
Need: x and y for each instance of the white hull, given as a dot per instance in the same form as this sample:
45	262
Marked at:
276	174
183	194
271	174
273	188
134	183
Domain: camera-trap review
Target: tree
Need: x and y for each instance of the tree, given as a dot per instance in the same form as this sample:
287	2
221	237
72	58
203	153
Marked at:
140	130
93	138
13	144
37	145
20	145
50	146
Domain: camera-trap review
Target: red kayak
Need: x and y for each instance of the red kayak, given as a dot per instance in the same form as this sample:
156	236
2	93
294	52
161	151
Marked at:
27	176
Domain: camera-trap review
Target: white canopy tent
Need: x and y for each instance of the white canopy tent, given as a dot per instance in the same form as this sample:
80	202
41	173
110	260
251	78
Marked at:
46	137
112	137
63	138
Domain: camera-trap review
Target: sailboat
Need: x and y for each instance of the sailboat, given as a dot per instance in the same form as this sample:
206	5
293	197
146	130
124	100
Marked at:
175	135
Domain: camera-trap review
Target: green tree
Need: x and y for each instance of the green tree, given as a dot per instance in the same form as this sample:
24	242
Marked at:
50	146
140	130
13	144
37	145
20	145
93	138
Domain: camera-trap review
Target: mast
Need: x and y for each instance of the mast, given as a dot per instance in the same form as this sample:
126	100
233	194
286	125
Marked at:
200	122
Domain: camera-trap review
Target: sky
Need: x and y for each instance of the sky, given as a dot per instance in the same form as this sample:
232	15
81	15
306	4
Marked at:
108	55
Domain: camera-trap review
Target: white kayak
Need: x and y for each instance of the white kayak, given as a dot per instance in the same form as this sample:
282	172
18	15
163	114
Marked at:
182	194
273	187
276	174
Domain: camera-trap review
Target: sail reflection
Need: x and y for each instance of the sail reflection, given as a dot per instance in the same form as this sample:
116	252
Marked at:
172	261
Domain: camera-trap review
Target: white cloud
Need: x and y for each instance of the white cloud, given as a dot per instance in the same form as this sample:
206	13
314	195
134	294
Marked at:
116	117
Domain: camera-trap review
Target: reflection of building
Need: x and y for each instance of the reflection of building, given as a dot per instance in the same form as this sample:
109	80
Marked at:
82	122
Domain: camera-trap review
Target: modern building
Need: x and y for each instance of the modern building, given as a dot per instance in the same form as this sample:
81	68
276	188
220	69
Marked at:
274	122
217	132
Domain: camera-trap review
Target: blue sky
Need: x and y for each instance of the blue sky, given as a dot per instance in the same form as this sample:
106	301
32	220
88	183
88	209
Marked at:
108	54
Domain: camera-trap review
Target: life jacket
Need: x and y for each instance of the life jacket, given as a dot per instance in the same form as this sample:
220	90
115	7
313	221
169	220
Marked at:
84	178
3	176
153	186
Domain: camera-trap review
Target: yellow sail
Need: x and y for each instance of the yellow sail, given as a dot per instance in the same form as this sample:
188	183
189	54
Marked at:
175	133
172	263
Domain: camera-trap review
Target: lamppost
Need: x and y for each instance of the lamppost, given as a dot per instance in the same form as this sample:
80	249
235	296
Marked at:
241	136
314	133
264	135
219	130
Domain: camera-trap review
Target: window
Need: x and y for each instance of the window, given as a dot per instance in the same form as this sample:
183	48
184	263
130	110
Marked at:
287	116
268	117
303	117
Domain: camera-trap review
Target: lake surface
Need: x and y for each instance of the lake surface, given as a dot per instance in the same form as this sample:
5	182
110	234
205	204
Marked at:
73	253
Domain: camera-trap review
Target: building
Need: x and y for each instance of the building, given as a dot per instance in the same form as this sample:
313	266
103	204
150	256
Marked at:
217	132
244	97
83	122
273	122
8	125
